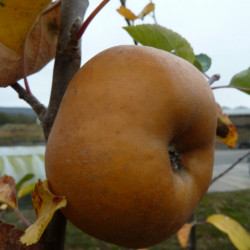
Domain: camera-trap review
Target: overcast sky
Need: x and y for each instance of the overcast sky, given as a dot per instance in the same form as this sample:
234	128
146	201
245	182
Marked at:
215	27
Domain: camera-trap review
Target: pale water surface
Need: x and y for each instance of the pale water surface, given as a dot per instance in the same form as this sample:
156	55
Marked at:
18	161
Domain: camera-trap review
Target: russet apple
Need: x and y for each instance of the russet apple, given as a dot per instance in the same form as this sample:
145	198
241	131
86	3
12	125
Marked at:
132	146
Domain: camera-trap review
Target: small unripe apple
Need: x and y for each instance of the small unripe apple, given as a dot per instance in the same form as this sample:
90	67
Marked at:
132	146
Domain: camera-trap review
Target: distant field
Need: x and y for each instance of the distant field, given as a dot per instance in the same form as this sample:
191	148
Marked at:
233	204
21	134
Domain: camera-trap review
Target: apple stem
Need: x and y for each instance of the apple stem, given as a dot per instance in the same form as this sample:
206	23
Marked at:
213	78
90	18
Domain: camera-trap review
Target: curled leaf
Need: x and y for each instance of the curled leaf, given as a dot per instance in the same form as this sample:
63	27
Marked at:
39	46
226	131
147	9
183	234
127	13
8	191
45	204
237	234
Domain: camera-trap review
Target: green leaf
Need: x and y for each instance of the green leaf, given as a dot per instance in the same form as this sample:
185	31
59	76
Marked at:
27	189
202	62
26	178
242	80
159	37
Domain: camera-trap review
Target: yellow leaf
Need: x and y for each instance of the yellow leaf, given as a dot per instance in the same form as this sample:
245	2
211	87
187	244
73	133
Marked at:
45	204
183	234
127	13
27	189
147	9
8	191
237	234
226	131
40	47
16	18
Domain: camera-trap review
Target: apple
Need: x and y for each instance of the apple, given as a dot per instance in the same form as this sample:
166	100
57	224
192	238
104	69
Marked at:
132	146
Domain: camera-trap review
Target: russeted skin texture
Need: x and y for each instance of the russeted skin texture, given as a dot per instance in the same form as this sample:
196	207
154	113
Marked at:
108	148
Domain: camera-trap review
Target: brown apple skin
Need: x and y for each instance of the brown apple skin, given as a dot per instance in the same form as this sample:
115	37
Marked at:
108	149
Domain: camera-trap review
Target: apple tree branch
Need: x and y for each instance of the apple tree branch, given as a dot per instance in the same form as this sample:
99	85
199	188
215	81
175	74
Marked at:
38	108
67	63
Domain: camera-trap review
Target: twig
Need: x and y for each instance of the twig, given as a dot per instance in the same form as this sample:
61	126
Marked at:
153	14
22	218
38	108
90	18
230	168
199	223
123	3
193	234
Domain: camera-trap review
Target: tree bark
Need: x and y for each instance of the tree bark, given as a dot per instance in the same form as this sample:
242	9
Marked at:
68	56
192	236
67	62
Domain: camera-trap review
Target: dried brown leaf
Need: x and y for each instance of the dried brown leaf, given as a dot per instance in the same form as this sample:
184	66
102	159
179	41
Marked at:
8	191
127	13
147	9
45	204
226	131
10	239
40	47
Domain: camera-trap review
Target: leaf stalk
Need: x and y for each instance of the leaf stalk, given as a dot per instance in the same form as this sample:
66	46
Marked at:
90	18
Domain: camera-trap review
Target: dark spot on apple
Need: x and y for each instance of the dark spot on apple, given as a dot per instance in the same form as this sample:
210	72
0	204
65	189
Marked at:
175	160
2	4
